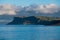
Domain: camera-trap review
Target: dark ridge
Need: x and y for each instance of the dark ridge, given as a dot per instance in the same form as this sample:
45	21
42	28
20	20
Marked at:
32	20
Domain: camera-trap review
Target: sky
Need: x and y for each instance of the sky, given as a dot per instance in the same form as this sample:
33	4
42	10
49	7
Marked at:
29	2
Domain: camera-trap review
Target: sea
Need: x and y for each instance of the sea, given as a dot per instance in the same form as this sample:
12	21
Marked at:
29	32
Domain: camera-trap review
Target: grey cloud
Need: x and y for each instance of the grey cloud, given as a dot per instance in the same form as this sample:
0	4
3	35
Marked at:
49	9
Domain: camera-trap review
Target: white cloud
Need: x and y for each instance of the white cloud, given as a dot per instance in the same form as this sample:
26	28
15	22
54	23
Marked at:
12	10
48	8
32	10
51	8
7	9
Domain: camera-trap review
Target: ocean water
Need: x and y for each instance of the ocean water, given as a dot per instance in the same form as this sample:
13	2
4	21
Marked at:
29	32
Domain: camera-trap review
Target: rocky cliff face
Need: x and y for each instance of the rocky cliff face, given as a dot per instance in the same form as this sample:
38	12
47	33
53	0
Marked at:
32	20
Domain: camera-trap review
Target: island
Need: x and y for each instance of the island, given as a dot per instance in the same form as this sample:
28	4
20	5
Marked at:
35	20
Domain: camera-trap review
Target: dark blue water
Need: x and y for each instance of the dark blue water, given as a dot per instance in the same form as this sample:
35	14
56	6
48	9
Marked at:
29	32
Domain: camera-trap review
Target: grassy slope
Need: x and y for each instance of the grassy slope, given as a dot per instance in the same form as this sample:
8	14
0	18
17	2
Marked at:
47	18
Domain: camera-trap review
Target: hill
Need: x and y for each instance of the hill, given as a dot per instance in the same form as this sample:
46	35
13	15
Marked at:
35	20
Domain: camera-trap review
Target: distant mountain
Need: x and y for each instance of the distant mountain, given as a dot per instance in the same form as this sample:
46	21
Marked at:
35	20
4	19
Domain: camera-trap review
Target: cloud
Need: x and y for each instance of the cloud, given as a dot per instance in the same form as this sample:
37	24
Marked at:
50	8
7	9
46	9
